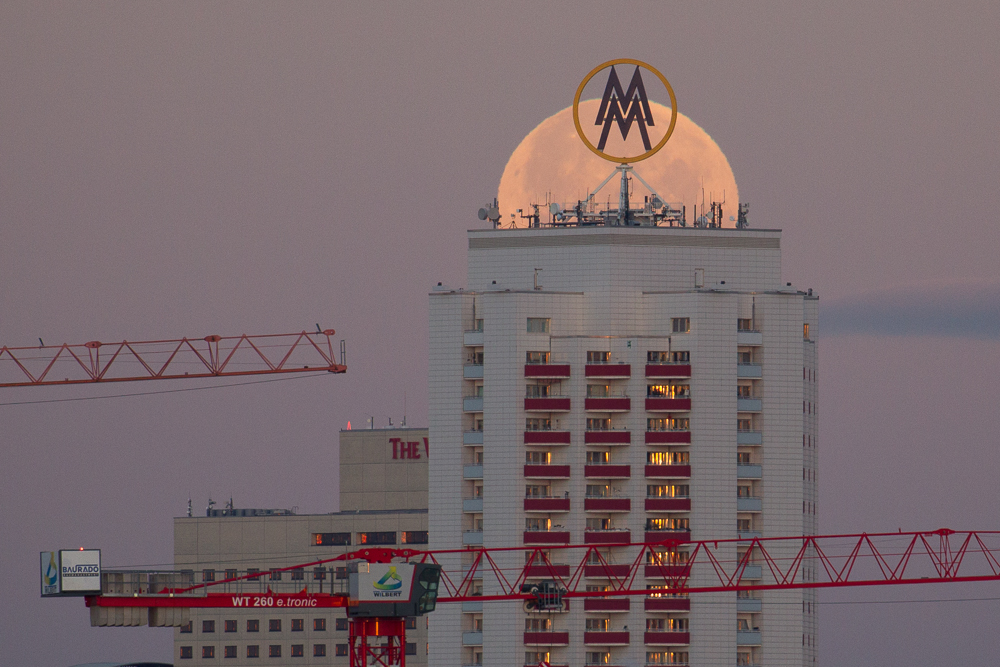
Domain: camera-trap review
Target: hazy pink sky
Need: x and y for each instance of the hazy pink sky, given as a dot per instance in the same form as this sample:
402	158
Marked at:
179	169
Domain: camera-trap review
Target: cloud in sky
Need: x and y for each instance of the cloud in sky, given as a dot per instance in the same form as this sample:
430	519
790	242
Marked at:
959	311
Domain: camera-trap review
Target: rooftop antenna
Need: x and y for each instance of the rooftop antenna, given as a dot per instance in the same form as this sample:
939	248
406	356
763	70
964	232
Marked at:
403	425
491	212
537	286
211	504
229	505
190	509
390	421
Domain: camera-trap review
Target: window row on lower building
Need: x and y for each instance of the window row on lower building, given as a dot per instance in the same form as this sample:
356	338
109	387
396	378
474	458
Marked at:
273	625
254	651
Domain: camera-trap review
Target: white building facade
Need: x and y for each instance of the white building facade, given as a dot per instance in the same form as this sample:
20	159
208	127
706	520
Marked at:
599	383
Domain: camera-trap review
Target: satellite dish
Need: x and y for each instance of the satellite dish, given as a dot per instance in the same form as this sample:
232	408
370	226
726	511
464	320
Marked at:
656	202
732	218
482	214
493	213
555	209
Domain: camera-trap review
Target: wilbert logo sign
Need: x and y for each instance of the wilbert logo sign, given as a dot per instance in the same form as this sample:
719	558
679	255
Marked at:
623	110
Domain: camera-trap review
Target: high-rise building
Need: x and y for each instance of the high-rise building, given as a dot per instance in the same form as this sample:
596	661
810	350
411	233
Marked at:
604	384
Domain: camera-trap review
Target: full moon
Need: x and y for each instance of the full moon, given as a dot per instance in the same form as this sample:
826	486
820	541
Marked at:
552	164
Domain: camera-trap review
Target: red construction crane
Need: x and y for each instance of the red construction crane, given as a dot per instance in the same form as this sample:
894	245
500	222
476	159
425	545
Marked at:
210	356
546	585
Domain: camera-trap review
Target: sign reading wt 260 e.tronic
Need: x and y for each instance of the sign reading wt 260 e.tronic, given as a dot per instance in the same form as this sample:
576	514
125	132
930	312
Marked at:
622	108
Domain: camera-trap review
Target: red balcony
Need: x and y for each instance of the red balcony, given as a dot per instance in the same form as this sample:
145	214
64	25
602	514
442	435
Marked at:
667	604
546	437
607	437
607	471
667	437
668	536
656	404
658	571
667	504
607	537
608	404
607	504
547	571
546	471
546	504
606	604
549	404
607	571
668	370
659	638
546	537
606	638
546	370
608	370
668	471
546	639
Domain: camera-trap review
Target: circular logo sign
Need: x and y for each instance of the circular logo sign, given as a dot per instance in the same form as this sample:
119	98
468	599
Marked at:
624	110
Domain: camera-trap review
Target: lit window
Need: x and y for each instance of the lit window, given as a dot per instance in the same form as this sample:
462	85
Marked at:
598	391
535	524
341	649
668	458
319	624
207	575
274	575
342	623
668	391
231	574
298	624
598	357
538	325
253	625
411	622
537	424
208	626
598	457
668	491
537	391
187	628
229	652
319	574
537	491
537	357
598	657
414	537
536	458
538	624
298	574
319	650
207	651
598	423
805	331
598	491
253	651
230	626
380	537
187	652
253	574
331	539
298	650
274	625
597	624
681	324
274	651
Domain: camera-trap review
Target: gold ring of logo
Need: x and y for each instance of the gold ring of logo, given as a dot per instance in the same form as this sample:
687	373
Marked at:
579	127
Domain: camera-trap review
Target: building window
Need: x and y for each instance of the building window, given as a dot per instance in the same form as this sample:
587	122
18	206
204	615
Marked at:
537	624
744	324
537	424
411	622
331	539
537	524
680	357
187	628
230	626
668	524
229	652
411	648
414	537
668	424
253	651
208	626
537	391
538	325
598	657
598	357
298	650
341	649
207	651
231	574
668	490
378	537
668	458
253	625
805	331
535	458
537	491
207	575
274	625
342	623
298	574
535	657
340	573
598	423
681	324
319	574
274	651
253	574
537	357
668	391
187	652
274	575
598	457
319	624
298	624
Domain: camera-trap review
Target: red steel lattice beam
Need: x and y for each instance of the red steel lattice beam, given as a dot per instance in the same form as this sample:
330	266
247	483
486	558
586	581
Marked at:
127	361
